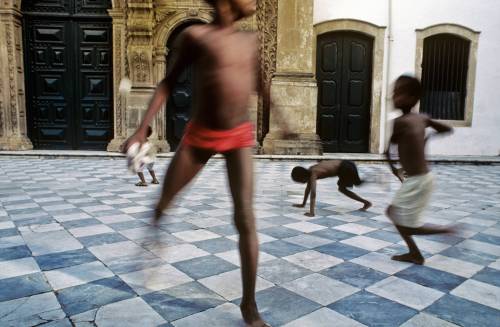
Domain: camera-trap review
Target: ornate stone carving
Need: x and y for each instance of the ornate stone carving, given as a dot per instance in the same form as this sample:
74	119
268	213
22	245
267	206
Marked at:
162	15
12	111
193	12
118	73
267	24
141	66
12	76
2	121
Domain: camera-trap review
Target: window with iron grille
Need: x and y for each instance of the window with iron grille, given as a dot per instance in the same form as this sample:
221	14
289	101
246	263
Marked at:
445	68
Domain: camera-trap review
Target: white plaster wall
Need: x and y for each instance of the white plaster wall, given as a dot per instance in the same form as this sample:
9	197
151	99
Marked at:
483	137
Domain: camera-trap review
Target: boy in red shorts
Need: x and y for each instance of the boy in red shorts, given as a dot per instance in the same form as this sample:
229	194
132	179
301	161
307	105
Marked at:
227	62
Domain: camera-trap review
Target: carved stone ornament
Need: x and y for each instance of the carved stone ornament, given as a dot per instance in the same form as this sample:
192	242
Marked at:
141	66
12	75
267	24
118	74
162	15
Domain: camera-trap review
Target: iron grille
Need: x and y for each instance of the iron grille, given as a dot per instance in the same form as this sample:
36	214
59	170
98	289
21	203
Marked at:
444	76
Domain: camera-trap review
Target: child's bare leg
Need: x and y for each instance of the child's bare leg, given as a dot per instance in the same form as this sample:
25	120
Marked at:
240	172
428	230
414	255
143	180
366	204
185	164
153	175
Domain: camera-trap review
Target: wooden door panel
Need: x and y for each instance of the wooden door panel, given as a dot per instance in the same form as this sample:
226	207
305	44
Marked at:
49	94
179	107
329	76
344	66
69	73
180	103
356	78
95	78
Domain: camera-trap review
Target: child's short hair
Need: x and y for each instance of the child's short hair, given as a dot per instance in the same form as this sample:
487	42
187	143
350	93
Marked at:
409	85
150	131
348	174
300	174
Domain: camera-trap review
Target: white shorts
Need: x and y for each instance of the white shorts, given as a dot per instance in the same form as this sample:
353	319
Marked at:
148	166
411	200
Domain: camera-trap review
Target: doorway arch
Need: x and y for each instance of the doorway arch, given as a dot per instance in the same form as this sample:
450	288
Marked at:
167	29
180	103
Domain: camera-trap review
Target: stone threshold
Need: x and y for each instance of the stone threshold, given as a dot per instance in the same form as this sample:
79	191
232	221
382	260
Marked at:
359	157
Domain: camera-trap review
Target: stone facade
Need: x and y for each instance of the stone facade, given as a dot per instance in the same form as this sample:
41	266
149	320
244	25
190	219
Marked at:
13	131
293	87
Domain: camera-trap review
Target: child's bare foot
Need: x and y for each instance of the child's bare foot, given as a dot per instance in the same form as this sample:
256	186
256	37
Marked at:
308	214
366	206
299	205
408	257
251	316
155	181
141	184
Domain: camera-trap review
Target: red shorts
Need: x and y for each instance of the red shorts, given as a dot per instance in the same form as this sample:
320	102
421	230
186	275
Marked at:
220	141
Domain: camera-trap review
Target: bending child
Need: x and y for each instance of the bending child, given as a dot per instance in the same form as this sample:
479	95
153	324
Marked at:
413	196
346	171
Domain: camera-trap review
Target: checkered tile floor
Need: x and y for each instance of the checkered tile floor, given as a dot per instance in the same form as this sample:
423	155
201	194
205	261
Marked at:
76	249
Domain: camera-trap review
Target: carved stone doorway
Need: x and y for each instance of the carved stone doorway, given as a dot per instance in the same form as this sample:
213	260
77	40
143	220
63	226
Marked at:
180	103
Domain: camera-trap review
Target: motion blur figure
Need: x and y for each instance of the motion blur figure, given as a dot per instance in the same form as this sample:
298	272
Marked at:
409	135
226	63
150	166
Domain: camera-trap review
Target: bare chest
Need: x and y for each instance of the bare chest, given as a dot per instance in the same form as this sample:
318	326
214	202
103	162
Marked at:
234	49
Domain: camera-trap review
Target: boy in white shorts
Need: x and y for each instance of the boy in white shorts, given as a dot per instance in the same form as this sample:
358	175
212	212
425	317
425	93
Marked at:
411	200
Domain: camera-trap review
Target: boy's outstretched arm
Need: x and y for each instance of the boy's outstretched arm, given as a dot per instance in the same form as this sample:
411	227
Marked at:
306	195
439	127
354	196
312	183
162	91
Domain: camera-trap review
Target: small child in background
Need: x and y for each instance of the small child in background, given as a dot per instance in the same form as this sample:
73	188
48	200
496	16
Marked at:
151	153
346	171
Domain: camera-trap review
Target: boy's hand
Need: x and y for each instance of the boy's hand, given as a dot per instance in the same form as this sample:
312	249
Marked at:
309	214
299	205
138	137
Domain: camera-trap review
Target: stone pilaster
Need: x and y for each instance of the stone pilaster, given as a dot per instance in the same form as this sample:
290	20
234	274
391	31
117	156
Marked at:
267	23
119	72
13	129
140	24
160	125
293	87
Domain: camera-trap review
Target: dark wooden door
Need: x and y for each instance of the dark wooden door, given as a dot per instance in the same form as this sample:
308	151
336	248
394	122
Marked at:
344	74
68	57
179	107
180	103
